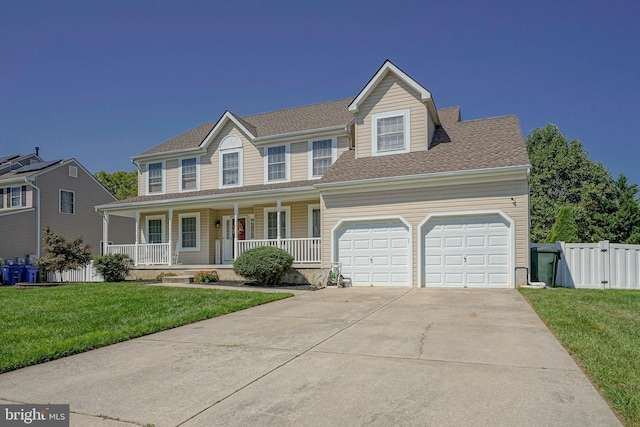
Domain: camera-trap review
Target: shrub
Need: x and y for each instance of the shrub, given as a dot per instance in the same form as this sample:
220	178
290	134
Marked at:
163	274
205	276
61	255
266	265
113	267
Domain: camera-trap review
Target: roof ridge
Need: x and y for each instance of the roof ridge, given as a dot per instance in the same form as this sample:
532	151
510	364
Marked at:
294	108
489	118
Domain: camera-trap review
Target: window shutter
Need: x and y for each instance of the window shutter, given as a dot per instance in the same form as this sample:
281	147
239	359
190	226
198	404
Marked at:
8	197
24	196
1	198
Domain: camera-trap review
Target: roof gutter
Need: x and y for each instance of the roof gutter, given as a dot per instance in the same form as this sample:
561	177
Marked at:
32	182
160	155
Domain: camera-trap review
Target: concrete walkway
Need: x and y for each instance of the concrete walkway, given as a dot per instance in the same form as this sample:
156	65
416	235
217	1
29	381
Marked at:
338	357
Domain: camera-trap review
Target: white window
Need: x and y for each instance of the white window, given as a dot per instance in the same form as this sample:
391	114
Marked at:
189	231
390	132
277	163
73	171
15	197
322	154
189	174
230	162
271	221
67	202
315	226
156	177
155	229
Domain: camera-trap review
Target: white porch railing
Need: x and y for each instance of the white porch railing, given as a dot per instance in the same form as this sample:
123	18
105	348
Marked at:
144	253
302	250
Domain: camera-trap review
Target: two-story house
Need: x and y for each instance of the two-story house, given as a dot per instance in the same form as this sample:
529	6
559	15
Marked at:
398	191
60	194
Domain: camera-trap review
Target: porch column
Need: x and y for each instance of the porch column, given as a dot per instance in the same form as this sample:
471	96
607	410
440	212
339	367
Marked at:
278	236
135	249
105	232
170	218
235	231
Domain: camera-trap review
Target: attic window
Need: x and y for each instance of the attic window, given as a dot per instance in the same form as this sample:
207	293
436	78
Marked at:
390	132
73	171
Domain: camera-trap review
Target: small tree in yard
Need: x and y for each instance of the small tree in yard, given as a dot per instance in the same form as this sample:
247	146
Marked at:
265	265
565	228
113	267
61	255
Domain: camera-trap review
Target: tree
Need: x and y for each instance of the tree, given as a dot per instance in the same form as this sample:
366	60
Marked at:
625	226
61	255
123	185
565	228
563	175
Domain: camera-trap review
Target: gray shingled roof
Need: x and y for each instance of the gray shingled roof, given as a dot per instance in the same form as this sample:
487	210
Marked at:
216	192
309	117
456	146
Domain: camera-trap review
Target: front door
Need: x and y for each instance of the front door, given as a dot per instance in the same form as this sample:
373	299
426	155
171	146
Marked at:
229	236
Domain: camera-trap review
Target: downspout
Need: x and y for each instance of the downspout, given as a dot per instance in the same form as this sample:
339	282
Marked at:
32	182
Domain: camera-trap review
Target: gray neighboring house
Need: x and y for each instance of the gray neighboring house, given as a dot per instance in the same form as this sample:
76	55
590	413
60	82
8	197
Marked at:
60	194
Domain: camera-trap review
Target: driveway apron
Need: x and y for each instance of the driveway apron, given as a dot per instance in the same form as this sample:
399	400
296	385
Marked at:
354	356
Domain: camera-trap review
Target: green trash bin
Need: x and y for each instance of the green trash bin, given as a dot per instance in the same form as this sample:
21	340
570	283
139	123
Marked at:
544	265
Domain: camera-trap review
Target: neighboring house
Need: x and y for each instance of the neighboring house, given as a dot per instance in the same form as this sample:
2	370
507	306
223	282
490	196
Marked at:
398	191
59	194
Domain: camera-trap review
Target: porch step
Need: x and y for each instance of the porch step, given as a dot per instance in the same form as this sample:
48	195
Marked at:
178	279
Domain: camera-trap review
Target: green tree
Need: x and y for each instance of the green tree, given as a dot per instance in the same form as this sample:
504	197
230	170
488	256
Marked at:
61	255
565	228
625	227
123	185
563	175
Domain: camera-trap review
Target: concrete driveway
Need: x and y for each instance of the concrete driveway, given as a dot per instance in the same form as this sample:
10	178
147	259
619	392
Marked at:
339	357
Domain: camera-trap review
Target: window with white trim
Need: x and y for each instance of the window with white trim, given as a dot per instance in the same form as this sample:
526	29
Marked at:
67	202
189	174
15	197
155	229
315	226
322	153
271	221
231	161
277	163
390	132
155	177
189	231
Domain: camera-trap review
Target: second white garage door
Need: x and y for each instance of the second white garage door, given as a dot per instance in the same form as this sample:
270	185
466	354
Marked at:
375	253
471	252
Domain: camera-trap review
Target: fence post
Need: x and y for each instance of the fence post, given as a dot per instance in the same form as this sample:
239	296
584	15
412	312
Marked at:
604	264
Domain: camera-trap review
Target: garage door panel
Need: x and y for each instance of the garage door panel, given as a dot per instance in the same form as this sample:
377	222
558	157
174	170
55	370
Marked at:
467	251
377	255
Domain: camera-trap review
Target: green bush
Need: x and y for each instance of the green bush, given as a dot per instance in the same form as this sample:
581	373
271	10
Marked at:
265	265
163	274
113	267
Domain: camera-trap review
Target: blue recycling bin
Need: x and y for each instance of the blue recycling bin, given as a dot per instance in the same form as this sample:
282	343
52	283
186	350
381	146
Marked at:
31	273
11	274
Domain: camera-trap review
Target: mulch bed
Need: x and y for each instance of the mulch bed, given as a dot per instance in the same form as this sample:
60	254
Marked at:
293	286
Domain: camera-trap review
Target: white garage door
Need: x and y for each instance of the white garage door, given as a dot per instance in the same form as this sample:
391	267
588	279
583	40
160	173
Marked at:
375	253
471	252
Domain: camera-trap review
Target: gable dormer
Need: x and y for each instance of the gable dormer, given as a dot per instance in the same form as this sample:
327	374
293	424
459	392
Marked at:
394	114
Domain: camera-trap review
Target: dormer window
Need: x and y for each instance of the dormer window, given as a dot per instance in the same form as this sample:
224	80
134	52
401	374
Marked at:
390	132
230	162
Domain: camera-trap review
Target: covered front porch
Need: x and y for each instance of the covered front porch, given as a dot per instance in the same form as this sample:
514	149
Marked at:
214	233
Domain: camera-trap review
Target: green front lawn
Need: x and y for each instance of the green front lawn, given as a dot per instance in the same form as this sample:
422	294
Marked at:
601	329
37	325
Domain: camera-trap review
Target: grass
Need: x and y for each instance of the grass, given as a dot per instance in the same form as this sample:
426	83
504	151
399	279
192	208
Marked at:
38	325
601	329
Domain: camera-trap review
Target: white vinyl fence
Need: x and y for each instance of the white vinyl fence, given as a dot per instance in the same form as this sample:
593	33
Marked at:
86	274
600	265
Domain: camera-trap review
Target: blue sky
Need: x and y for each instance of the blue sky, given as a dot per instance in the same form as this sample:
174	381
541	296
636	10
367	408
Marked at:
103	81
